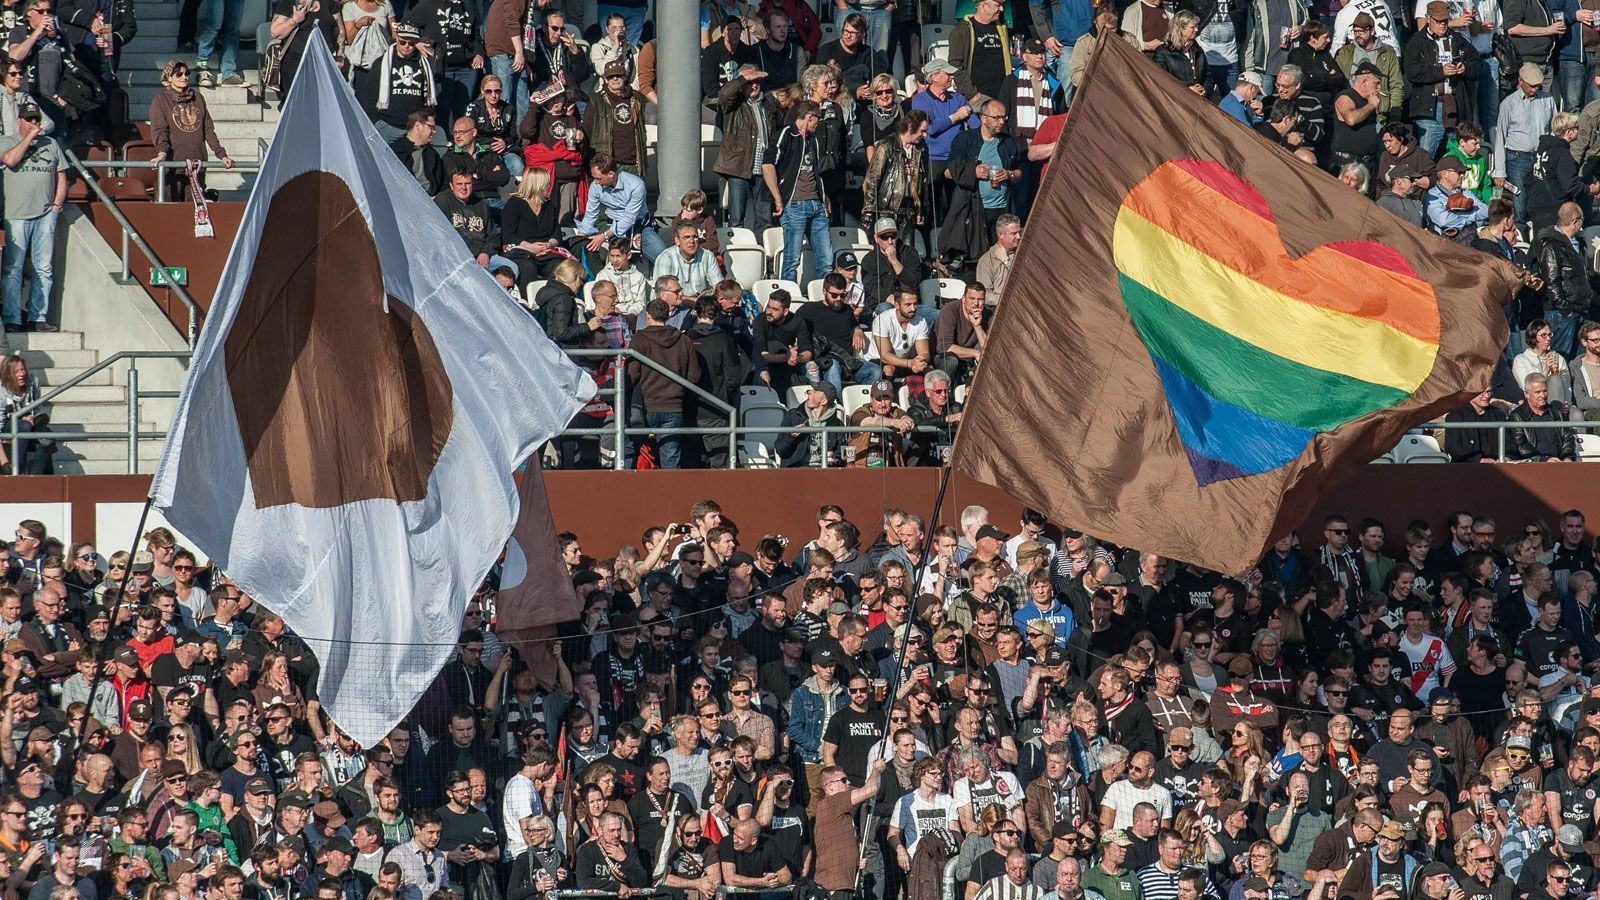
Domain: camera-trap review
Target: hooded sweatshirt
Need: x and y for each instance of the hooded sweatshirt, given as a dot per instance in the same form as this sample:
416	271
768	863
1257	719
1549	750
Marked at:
675	351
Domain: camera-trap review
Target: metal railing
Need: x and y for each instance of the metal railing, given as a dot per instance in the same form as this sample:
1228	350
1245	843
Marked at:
617	430
132	435
131	235
240	167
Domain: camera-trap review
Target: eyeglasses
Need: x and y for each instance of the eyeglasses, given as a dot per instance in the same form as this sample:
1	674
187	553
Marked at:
1184	748
859	690
83	556
695	833
738	693
711	715
1337	693
1483	859
899	719
1010	832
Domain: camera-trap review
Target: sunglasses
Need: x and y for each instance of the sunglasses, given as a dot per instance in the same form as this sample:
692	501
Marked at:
491	90
722	764
1201	645
737	693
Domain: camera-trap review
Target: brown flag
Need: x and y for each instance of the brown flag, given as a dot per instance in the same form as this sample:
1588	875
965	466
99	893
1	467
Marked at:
535	589
1201	330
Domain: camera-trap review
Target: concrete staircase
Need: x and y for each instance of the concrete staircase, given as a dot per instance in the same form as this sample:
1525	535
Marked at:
242	115
100	403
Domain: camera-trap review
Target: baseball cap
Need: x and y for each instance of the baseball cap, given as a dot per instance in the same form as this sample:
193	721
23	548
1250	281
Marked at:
1033	46
1450	164
1440	694
989	531
127	656
1240	665
793	635
186	639
846	259
1531	73
1570	837
142	561
1393	830
257	786
1519	742
935	66
1053	655
616	67
41	733
1063	829
1227	808
1367	68
883	390
141	711
407	31
179	868
296	798
1251	78
24	685
828	391
1116	836
231	656
741	558
824	657
1433	868
338	844
1030	549
885	225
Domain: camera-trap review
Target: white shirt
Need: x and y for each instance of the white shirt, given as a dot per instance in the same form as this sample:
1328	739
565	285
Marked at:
521	800
902	338
1426	672
1001	789
916	817
1010	549
1122	796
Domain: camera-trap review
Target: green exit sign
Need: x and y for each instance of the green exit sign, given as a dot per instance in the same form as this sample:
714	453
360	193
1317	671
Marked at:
169	276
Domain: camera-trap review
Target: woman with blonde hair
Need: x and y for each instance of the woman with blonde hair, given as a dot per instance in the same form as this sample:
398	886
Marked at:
1181	56
880	117
184	746
18	388
1200	847
564	320
530	226
181	127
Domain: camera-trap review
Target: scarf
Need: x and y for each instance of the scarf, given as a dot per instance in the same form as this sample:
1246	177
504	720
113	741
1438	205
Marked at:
883	117
385	70
902	769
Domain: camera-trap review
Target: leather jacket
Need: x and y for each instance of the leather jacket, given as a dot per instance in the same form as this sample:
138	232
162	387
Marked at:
892	187
1566	276
1540	443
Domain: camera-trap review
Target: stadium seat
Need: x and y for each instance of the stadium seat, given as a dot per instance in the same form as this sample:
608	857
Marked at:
746	265
140	151
766	286
961	393
1418	448
935	41
904	397
911	85
755	448
1385	459
849	237
813	291
797	394
737	237
588	295
772	244
855	397
532	291
756	395
939	291
1588	446
830	31
124	190
710	144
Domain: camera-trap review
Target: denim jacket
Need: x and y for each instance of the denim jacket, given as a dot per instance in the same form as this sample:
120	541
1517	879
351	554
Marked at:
810	708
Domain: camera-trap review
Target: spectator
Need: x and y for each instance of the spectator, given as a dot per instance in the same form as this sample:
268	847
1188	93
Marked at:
1474	444
980	49
995	264
901	336
495	121
1452	211
792	170
477	160
1440	65
531	237
552	138
470	218
1541	358
614	121
35	182
897	174
892	265
615	46
1586	373
663	399
1525	114
960	334
417	154
620	195
1244	101
1565	268
1554	180
1181	56
291	24
180	126
996	165
1540	444
749	114
695	267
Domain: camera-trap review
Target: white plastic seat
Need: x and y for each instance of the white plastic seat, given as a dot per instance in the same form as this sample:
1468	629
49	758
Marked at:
797	394
814	289
734	236
961	393
939	291
764	288
855	397
531	292
746	265
772	243
1418	448
1588	446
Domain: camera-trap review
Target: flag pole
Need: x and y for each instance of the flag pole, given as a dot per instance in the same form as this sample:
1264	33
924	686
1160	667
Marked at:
900	655
101	653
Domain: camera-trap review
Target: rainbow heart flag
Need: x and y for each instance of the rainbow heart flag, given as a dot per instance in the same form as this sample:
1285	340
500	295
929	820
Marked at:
1201	330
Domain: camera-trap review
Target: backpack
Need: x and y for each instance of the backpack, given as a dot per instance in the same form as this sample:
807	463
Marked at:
1508	58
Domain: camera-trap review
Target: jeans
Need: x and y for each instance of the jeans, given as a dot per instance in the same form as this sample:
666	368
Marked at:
799	218
1220	78
1063	64
220	17
29	240
1574	84
744	207
1430	132
1489	93
632	15
514	165
670	446
1563	331
878	24
33	456
650	243
515	85
1518	164
455	92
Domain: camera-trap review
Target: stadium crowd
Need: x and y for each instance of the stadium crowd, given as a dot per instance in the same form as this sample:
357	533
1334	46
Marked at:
1041	715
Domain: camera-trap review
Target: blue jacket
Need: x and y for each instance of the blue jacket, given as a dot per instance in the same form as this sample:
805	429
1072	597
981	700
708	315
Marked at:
809	711
1440	217
1058	615
941	131
1234	106
1066	20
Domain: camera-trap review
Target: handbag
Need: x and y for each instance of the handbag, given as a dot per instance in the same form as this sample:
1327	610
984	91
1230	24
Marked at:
272	67
78	89
1507	57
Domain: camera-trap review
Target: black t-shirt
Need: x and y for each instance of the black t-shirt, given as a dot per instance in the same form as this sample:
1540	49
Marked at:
281	757
459	829
166	673
649	818
989	57
753	863
854	733
788	833
630	778
322	18
1181	782
1577	801
42	814
987	867
594	871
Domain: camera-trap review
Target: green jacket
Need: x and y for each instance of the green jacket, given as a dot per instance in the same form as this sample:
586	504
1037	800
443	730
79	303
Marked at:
1122	886
211	820
1477	181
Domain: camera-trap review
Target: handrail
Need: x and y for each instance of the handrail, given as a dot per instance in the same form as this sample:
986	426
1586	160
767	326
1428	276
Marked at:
617	429
131	233
239	166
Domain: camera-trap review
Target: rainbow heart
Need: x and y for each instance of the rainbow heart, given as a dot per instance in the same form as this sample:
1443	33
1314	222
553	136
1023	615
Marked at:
1257	351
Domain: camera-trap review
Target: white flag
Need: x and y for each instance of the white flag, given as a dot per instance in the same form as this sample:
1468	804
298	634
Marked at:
357	401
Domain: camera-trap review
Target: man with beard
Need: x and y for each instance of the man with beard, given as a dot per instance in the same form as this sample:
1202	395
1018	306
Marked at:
693	864
607	863
653	809
1378	695
1177	771
1128	719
